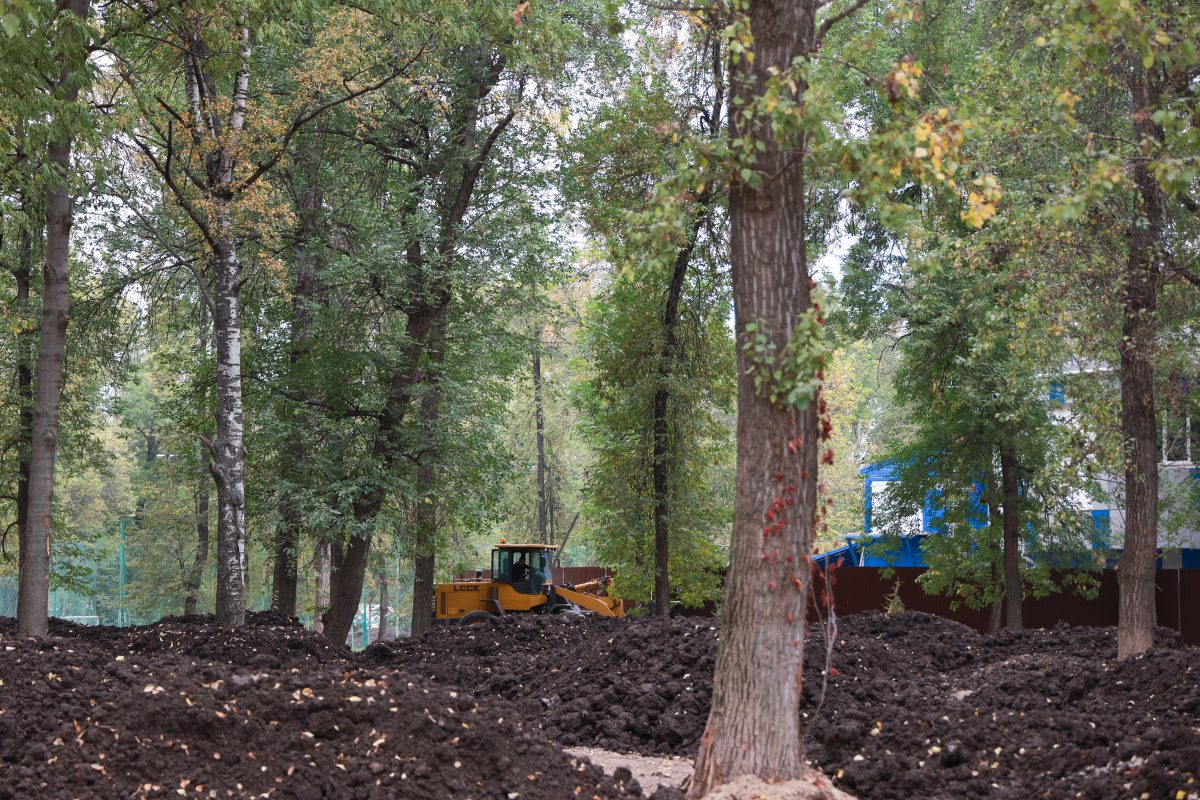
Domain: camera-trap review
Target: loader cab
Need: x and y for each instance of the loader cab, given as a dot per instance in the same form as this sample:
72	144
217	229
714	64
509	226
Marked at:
537	560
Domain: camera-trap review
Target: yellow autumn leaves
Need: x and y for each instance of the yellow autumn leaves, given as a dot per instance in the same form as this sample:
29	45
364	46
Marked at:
936	154
981	201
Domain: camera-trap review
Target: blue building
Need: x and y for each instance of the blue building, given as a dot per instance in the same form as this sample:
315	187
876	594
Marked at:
1178	551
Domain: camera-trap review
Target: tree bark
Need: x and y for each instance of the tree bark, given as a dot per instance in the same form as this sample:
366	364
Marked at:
200	561
287	542
229	467
422	602
996	609
383	606
321	594
427	522
34	557
1139	426
283	576
995	529
754	723
23	276
664	458
1010	482
348	559
540	424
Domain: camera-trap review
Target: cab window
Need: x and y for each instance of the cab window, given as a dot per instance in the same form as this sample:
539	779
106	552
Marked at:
502	566
539	572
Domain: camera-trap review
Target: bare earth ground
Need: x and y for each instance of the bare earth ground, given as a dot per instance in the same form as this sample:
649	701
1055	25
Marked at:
914	707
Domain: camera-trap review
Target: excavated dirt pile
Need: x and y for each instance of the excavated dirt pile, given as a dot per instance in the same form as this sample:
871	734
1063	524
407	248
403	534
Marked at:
915	706
183	709
641	686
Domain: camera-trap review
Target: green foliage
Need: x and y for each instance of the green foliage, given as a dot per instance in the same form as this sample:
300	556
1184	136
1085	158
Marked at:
654	209
616	403
789	377
978	159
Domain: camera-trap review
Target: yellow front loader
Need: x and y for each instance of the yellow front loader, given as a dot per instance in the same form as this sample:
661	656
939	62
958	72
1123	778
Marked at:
522	581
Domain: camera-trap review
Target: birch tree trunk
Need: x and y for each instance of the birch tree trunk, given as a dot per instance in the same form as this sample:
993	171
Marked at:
34	558
229	467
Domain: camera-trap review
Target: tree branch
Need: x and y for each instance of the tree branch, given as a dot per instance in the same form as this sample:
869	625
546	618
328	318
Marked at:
834	20
302	120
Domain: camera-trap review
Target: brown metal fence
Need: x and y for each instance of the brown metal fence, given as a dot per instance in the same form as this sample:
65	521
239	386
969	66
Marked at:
860	589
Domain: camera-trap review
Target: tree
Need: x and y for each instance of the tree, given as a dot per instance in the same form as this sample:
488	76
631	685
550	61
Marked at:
1117	210
69	33
447	147
656	403
754	725
215	172
782	130
977	368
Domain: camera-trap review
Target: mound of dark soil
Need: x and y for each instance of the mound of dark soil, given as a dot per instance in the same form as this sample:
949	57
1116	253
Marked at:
914	705
268	640
80	718
641	687
922	707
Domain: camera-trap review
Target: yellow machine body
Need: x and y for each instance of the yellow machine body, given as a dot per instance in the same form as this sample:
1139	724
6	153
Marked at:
522	581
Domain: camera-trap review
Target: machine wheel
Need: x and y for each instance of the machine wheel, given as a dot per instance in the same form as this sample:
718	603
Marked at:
476	617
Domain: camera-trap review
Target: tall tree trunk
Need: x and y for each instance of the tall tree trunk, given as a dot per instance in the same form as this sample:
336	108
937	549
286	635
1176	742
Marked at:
425	539
348	559
754	722
540	424
422	602
1010	481
34	557
664	459
287	541
1139	427
995	529
321	593
229	456
200	561
996	609
433	287
347	571
23	276
283	576
383	606
229	467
